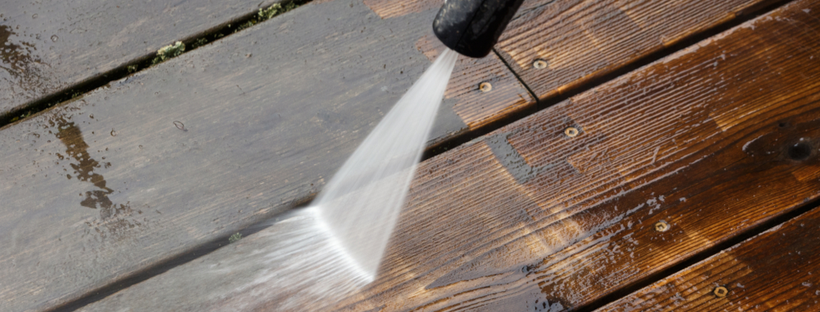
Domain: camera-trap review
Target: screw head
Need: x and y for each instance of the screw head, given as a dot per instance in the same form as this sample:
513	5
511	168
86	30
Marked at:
721	291
539	64
571	132
485	87
661	226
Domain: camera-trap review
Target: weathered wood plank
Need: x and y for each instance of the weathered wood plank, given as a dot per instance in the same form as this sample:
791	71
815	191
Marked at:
48	46
711	141
205	144
580	40
774	271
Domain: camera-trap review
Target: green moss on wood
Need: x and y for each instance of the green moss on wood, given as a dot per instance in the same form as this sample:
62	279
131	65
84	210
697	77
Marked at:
234	238
169	52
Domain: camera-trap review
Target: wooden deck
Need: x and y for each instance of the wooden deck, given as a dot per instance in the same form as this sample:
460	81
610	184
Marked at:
692	183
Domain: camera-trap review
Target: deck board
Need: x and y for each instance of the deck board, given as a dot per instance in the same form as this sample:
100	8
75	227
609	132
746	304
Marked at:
712	141
774	271
49	46
199	147
584	39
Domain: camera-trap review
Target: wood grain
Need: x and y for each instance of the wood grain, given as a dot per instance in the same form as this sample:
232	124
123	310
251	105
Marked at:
584	39
48	46
774	271
197	148
712	140
473	106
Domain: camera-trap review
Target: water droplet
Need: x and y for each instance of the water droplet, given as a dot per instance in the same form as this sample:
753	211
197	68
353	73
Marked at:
140	146
806	284
113	133
34	16
180	126
54	38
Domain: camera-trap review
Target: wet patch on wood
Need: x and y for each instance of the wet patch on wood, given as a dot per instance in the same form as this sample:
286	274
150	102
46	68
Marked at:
774	270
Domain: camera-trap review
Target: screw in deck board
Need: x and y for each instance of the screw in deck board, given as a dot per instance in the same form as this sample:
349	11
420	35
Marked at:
485	87
661	226
539	64
721	291
571	132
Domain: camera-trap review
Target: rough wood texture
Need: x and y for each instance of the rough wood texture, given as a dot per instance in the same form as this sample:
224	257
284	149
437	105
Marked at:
584	39
47	46
712	140
775	271
203	145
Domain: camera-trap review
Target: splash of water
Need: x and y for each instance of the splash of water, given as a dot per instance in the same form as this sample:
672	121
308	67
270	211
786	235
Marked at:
312	257
361	203
334	247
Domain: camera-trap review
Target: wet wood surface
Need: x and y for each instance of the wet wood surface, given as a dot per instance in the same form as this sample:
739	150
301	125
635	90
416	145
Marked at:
48	46
193	150
580	40
709	142
775	271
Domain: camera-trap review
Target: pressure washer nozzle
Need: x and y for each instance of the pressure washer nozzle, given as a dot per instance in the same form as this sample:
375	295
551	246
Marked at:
472	27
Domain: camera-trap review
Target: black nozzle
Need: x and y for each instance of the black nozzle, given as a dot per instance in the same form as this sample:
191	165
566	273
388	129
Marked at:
472	27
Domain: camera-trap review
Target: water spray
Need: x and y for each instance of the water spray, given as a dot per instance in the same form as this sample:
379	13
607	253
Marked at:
343	236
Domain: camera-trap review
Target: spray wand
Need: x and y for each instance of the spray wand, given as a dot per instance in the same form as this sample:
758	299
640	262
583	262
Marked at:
472	27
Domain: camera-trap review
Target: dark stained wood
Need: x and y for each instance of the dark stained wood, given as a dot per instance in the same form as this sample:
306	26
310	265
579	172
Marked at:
48	46
203	145
712	140
774	271
584	39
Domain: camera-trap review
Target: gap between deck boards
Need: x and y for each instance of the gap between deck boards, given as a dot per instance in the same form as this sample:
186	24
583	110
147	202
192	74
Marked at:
135	66
541	104
741	237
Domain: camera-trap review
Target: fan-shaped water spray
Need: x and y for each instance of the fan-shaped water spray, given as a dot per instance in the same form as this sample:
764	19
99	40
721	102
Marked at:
361	203
322	253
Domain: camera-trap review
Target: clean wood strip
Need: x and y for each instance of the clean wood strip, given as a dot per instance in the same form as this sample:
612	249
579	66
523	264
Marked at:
203	145
580	40
775	271
530	218
583	39
47	46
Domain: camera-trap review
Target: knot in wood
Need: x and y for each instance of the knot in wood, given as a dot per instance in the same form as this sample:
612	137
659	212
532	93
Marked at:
800	151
